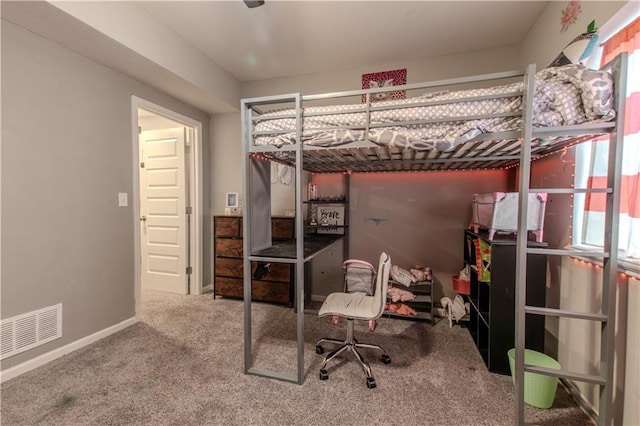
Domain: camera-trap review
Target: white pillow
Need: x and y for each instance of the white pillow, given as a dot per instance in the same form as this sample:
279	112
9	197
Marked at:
578	51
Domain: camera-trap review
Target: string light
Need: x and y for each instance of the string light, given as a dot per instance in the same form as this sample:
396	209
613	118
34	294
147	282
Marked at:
568	141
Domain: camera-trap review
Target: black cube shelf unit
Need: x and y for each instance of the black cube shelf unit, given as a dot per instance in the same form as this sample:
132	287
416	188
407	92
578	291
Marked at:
492	316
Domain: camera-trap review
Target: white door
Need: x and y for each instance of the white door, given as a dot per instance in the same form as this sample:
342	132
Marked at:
163	219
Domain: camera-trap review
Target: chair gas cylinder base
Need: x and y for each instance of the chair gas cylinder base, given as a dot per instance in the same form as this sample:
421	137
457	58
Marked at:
356	306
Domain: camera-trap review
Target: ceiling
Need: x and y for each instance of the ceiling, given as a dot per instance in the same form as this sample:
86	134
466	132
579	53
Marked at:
286	38
202	51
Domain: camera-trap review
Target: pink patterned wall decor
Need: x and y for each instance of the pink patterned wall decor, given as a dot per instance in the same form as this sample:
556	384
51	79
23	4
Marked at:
385	79
570	15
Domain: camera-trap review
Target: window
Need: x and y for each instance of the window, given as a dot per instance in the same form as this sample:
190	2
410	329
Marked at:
591	161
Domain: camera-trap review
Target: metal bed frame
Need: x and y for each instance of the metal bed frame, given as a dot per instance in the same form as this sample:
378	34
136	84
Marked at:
487	151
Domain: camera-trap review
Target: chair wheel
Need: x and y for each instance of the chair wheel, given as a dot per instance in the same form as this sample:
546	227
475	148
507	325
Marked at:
319	349
371	382
324	375
386	359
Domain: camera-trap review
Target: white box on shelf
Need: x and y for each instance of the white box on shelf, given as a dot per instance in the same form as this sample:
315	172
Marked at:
498	211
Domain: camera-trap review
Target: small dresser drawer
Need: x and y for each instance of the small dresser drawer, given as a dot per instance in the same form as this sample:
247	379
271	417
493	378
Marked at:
264	291
228	226
228	267
268	291
277	272
228	247
274	285
282	228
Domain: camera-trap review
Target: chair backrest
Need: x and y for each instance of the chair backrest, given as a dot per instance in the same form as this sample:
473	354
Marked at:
359	276
382	281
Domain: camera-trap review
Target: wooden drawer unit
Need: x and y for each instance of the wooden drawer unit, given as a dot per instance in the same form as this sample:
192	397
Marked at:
282	228
228	267
274	286
228	247
263	291
227	226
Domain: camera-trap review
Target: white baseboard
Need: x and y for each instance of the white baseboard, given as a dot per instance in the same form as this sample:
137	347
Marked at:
43	359
207	288
579	398
318	297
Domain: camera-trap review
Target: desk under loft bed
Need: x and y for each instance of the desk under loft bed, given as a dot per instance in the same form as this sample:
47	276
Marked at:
495	121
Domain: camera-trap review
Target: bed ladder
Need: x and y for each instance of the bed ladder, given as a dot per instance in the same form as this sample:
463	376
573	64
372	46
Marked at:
608	256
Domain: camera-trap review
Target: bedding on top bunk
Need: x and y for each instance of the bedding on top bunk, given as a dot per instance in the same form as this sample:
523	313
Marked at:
566	95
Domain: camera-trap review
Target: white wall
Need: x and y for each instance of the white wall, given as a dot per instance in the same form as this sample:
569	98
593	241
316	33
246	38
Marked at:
545	40
129	25
155	122
418	218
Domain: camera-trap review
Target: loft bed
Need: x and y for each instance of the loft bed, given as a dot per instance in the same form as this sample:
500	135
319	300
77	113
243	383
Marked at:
493	121
435	130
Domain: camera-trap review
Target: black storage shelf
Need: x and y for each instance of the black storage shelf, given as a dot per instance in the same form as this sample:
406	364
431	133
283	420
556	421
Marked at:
492	316
423	302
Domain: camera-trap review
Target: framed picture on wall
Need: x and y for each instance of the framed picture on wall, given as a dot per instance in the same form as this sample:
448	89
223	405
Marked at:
330	219
379	80
232	199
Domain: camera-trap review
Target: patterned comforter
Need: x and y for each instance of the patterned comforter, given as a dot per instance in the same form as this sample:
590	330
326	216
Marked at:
566	95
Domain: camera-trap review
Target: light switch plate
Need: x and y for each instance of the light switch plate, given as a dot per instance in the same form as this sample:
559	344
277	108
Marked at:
123	199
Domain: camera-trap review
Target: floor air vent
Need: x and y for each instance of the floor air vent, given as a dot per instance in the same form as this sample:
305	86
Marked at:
26	331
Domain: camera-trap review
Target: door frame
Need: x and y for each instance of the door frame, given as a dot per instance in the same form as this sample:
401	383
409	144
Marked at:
194	196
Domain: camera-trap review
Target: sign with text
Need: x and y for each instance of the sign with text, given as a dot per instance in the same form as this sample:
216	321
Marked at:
330	219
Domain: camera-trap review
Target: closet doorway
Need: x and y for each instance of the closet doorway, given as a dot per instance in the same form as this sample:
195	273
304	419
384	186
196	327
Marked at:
166	200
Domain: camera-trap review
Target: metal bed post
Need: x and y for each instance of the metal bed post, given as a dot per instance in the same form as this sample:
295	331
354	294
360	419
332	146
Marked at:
299	242
245	118
521	242
247	106
610	264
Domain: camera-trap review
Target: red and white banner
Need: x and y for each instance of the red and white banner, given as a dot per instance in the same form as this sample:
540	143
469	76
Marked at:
626	40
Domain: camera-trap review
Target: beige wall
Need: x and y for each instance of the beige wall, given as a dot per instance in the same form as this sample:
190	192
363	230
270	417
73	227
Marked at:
66	154
418	218
436	68
155	122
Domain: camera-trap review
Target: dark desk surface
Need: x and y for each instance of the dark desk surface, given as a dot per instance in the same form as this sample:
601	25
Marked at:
287	249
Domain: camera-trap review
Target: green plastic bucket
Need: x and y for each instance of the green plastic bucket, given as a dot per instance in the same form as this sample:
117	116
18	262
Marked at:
539	389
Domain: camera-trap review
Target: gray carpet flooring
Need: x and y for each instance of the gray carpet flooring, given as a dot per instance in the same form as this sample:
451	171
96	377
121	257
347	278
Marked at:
182	365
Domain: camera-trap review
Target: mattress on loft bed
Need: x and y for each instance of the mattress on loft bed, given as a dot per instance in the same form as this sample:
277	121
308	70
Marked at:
566	95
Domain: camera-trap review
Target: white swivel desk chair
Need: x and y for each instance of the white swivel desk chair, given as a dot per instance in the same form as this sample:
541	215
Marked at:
356	306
